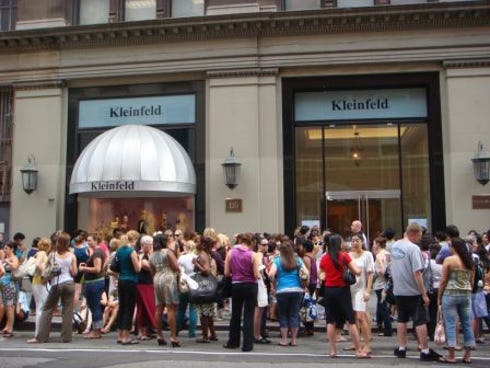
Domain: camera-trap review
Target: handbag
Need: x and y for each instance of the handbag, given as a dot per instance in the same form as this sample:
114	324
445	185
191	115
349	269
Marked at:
348	277
27	268
262	297
52	269
115	265
439	332
206	291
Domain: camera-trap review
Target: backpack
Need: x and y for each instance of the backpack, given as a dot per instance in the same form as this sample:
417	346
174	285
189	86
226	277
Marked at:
388	294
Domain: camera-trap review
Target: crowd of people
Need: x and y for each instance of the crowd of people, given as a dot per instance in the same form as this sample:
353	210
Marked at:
135	283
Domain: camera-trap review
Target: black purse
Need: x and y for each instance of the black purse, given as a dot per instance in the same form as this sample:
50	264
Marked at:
348	277
207	290
115	265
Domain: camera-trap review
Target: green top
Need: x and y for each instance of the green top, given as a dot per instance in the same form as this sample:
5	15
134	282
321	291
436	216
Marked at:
127	270
458	283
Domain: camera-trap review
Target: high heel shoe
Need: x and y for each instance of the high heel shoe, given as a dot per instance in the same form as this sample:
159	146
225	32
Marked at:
161	342
175	344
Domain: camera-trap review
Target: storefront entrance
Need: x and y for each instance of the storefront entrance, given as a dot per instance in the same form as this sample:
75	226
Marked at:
371	154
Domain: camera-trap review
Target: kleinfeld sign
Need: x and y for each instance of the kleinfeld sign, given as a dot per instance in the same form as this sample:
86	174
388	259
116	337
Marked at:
364	104
154	110
112	186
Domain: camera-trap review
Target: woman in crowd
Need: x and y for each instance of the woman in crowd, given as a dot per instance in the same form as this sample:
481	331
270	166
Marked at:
62	287
455	298
243	268
145	307
94	281
81	252
284	274
164	267
39	283
186	263
130	265
436	271
338	301
361	290
309	260
205	264
383	317
8	289
260	317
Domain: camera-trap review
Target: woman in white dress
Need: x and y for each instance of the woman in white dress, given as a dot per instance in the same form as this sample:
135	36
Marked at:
361	290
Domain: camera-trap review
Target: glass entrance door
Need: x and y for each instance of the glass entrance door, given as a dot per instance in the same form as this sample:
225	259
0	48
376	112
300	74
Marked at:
377	173
376	209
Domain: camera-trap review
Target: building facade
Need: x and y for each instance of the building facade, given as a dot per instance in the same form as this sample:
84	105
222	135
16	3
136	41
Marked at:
337	110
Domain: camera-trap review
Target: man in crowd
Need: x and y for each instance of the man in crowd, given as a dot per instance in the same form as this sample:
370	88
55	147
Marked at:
451	232
412	300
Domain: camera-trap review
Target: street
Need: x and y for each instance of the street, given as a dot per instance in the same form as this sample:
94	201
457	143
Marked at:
311	352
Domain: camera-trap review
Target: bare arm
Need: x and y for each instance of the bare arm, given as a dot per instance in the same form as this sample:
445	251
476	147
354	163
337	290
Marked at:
227	264
353	268
443	281
136	262
172	261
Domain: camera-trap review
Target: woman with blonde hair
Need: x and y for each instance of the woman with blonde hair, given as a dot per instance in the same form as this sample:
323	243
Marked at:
185	262
62	287
39	283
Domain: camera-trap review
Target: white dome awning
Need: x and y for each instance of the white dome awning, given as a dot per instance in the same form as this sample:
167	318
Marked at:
133	161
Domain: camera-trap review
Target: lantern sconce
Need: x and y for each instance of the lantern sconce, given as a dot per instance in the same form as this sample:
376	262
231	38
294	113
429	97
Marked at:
29	174
481	165
231	170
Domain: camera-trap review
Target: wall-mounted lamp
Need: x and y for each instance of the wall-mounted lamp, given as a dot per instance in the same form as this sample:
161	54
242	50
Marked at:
29	175
231	170
481	165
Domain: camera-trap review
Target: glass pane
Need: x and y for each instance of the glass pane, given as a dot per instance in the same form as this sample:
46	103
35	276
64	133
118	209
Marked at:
309	176
187	8
362	178
140	10
303	4
354	3
415	172
94	11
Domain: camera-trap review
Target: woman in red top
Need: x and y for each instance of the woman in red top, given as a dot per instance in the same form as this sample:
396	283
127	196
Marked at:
338	302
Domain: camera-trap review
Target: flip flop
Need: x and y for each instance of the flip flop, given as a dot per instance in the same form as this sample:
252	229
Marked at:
130	342
446	360
8	334
349	348
363	356
283	345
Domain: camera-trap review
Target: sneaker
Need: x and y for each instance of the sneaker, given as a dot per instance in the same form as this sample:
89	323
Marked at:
431	356
400	353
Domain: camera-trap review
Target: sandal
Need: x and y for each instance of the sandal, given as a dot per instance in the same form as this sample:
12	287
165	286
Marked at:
8	334
349	348
446	360
363	356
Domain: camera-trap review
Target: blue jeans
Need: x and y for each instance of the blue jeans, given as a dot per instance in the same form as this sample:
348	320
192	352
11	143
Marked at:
93	293
452	308
288	305
183	302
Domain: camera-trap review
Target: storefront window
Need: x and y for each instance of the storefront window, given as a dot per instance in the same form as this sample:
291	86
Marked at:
187	8
415	174
94	11
146	215
140	10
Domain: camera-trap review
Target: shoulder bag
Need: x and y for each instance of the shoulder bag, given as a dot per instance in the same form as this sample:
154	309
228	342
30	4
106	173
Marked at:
348	277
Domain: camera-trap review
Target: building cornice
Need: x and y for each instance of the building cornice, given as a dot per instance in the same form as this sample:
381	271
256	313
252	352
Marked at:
38	85
478	63
325	21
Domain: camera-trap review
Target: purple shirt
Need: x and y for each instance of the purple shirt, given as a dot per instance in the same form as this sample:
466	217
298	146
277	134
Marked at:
241	265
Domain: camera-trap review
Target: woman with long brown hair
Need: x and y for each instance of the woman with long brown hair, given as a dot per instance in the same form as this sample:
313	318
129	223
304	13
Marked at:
454	298
8	296
62	287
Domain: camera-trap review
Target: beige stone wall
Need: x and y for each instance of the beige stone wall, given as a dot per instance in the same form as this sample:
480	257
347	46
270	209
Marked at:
243	113
40	120
467	110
